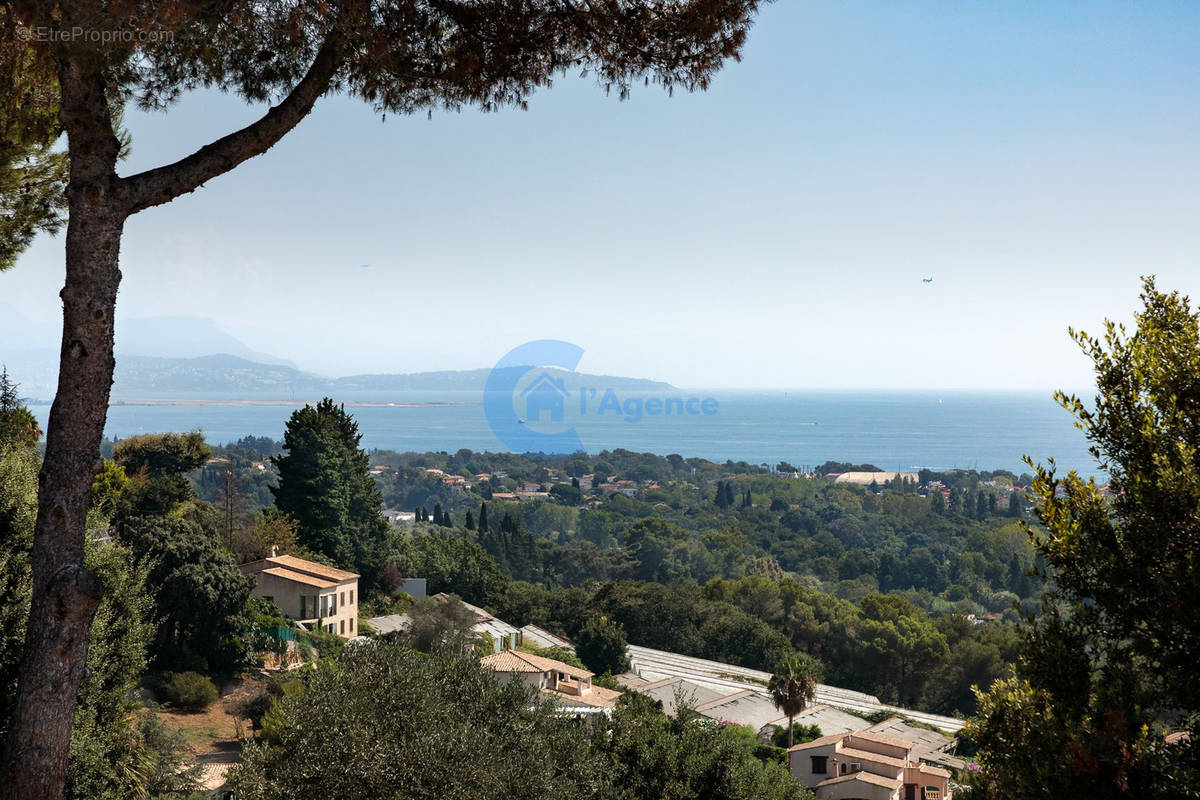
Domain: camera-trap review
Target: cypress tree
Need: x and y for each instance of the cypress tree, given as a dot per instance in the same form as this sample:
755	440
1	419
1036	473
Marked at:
483	520
325	485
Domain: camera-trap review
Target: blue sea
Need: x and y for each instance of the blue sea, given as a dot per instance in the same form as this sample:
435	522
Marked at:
892	430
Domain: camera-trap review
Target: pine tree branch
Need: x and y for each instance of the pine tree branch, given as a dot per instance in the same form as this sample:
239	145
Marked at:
163	184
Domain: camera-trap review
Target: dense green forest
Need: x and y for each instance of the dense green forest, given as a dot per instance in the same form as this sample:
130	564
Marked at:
966	553
895	589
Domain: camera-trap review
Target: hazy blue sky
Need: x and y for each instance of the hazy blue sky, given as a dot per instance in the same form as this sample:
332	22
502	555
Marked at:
1032	157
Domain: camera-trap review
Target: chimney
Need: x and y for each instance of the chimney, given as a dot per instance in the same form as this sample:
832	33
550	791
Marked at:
274	551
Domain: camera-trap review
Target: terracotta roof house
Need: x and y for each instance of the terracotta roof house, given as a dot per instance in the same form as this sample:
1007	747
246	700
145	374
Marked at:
312	594
866	765
570	687
930	747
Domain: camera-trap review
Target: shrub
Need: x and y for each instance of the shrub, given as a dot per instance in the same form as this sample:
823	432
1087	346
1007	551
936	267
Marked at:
770	754
190	691
800	734
255	707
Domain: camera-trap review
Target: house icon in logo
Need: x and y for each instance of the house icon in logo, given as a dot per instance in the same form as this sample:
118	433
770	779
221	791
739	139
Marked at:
545	394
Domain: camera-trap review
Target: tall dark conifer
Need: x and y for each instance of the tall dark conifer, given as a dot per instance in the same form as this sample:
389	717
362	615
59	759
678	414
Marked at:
325	485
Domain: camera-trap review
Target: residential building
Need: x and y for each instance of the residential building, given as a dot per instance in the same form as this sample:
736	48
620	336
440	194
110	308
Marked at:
397	517
877	478
930	747
866	766
570	687
313	594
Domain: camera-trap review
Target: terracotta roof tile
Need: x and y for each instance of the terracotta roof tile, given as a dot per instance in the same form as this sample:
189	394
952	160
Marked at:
299	577
313	568
293	564
516	661
855	754
865	777
882	738
598	697
832	738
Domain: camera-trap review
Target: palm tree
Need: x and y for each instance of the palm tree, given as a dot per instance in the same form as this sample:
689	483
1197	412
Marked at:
791	688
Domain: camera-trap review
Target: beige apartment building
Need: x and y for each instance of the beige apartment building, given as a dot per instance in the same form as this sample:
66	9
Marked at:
310	593
866	766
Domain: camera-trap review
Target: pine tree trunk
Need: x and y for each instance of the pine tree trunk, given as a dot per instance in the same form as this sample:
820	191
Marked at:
65	593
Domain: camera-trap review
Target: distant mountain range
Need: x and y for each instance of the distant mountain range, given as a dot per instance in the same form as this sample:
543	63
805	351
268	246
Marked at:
226	375
191	357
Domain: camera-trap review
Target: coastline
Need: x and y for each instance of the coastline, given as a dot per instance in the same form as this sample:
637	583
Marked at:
177	401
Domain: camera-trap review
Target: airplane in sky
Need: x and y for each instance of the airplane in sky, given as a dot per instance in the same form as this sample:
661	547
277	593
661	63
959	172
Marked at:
926	280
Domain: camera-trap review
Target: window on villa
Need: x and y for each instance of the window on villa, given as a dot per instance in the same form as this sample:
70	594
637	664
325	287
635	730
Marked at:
270	598
303	607
325	606
332	604
843	769
352	624
343	598
820	765
351	597
343	630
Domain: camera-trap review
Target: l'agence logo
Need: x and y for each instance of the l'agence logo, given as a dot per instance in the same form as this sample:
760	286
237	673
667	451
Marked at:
533	391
